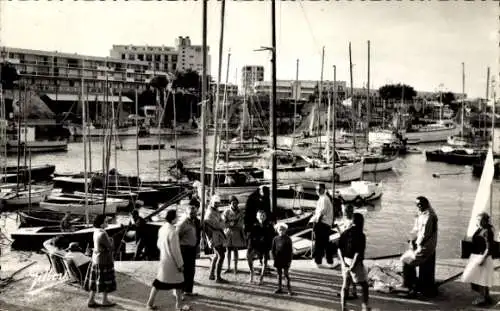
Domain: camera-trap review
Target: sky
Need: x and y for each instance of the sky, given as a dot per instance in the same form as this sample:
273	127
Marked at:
420	43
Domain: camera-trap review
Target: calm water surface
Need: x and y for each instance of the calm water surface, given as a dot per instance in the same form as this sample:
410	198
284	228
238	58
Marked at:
387	223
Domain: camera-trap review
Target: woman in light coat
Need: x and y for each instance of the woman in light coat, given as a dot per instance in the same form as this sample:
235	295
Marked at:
170	273
214	229
233	222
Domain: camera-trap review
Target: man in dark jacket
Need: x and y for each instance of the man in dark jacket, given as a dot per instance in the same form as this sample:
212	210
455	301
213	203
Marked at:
258	200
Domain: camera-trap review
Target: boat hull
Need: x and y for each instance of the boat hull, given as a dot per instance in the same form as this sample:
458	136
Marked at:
78	208
454	158
38	173
431	136
32	238
379	165
38	146
345	173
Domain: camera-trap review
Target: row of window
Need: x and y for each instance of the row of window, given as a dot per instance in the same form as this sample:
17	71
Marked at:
149	57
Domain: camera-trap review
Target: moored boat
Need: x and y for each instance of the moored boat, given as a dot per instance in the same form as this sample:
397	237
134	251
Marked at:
32	238
459	156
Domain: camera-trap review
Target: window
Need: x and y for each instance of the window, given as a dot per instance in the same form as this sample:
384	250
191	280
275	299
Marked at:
140	56
174	66
123	56
149	57
157	58
131	57
174	58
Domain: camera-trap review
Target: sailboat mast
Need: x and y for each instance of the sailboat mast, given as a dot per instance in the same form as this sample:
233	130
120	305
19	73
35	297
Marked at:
320	97
175	124
487	97
137	132
368	104
463	100
328	140
353	113
492	138
226	109
84	128
272	110
217	99
296	96
203	109
334	126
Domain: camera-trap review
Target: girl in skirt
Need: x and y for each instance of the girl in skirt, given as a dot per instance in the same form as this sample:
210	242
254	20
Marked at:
101	275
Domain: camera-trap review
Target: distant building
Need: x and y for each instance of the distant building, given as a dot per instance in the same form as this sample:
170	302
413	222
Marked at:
59	73
129	67
290	89
184	56
249	76
230	89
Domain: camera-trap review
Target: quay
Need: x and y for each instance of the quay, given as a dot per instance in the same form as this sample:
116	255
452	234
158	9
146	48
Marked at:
316	289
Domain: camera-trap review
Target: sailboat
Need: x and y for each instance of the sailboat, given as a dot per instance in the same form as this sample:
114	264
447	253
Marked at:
482	203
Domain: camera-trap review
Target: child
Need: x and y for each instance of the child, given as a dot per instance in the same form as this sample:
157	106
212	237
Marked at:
282	254
351	252
260	239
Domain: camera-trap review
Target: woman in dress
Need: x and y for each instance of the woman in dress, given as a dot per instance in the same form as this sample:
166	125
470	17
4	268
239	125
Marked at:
170	273
479	269
101	275
233	228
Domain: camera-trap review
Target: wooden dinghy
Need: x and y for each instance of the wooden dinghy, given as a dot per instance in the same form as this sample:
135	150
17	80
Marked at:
32	238
41	217
302	242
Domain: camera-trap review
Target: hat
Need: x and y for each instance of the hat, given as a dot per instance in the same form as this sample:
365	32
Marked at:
280	225
73	246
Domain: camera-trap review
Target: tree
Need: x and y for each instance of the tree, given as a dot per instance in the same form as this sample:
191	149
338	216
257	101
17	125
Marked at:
396	91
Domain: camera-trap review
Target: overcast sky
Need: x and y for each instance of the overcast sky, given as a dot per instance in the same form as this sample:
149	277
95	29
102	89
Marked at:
419	43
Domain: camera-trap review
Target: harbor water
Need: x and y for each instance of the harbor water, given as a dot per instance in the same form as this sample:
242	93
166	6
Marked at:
388	221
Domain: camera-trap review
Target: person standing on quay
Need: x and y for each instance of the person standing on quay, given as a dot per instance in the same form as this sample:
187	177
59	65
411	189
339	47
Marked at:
259	243
282	252
479	269
322	225
101	275
170	273
422	252
214	229
351	252
189	230
233	221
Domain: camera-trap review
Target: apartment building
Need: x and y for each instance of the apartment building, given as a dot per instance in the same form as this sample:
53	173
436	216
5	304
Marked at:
230	89
184	56
300	90
56	72
249	76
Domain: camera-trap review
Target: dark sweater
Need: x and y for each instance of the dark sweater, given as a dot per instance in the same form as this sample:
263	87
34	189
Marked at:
260	237
282	251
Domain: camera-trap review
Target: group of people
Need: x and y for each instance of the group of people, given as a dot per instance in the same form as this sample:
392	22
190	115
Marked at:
256	229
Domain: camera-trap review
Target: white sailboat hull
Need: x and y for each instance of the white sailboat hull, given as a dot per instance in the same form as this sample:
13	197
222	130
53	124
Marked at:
346	173
431	136
23	197
380	167
363	190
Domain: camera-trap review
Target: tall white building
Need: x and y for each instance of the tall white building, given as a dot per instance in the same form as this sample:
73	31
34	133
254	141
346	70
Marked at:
190	56
182	57
249	76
